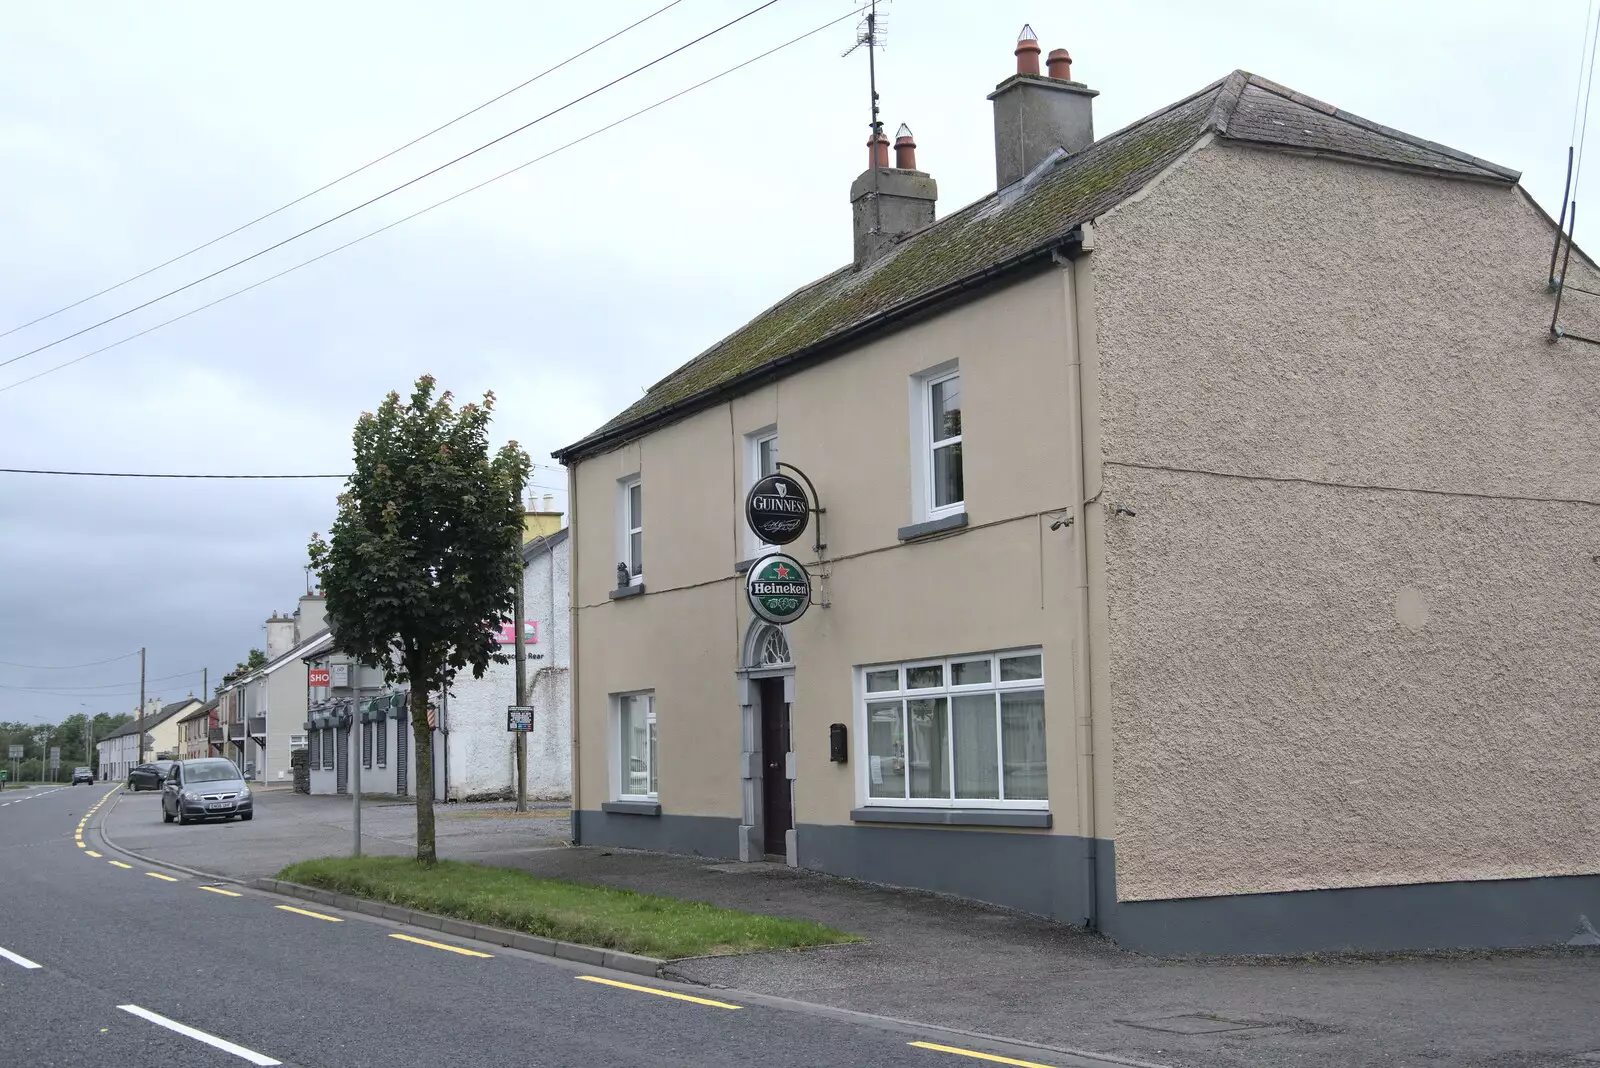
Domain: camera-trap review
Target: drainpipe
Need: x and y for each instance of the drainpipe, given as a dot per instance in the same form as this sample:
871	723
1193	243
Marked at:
1078	480
573	675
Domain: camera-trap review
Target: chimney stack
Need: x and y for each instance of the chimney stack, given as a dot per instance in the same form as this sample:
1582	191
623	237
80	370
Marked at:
887	203
1034	115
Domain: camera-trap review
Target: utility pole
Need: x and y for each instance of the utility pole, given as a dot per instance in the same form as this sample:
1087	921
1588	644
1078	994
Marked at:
518	611
356	751
205	681
141	706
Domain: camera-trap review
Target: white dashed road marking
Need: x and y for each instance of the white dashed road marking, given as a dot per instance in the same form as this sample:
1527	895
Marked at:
199	1036
21	962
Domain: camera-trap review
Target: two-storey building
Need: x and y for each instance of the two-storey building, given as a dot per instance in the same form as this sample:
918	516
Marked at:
261	712
1206	556
121	750
200	733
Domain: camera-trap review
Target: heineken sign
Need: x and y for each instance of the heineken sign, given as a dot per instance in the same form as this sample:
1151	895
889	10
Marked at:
778	588
777	509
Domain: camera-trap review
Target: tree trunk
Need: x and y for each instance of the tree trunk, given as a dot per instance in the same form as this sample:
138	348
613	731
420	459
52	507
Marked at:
422	735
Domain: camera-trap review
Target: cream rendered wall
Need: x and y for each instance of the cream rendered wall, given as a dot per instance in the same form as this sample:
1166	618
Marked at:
1004	582
286	693
167	736
1328	685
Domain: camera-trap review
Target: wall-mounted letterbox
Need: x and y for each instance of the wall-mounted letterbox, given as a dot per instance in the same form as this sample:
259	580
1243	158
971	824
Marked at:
838	743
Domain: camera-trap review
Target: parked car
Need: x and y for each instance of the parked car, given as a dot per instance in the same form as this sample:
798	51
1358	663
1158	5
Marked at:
82	775
207	788
149	776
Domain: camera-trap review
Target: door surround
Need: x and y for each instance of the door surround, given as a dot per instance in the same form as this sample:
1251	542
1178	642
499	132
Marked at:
765	655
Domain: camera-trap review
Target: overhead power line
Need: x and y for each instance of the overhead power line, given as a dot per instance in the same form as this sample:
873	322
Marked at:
141	474
69	667
102	686
388	193
349	174
145	474
437	204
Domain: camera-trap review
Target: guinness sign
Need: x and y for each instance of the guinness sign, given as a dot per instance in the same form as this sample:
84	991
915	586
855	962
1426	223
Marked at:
778	588
777	509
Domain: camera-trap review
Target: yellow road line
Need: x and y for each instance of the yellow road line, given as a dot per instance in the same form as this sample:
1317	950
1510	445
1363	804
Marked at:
119	864
441	945
92	853
80	844
219	890
658	993
163	878
313	915
978	1056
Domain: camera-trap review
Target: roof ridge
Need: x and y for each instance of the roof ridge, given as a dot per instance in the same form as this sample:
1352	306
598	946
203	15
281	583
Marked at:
1227	100
1278	89
1012	229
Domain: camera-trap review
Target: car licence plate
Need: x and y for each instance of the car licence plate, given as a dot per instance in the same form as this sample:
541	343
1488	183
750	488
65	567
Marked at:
213	806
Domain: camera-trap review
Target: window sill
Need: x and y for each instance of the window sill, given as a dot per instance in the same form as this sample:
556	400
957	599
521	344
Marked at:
953	817
631	808
933	526
626	591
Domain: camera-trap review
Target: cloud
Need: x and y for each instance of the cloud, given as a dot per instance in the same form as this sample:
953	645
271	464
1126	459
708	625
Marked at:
132	134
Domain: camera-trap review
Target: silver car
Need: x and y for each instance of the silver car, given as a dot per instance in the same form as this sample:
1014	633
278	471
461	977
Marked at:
208	788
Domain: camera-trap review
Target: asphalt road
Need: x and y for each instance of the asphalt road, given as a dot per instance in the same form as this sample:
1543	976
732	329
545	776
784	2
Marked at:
105	960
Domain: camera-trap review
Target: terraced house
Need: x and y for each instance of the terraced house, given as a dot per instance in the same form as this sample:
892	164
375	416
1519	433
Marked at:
1206	550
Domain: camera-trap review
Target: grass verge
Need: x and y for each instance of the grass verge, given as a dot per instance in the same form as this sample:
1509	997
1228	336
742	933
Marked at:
572	912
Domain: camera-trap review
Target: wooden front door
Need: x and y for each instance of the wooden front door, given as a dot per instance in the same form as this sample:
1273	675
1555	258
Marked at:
777	802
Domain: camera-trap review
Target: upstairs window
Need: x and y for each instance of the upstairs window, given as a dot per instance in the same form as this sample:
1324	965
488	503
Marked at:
630	530
761	460
938	484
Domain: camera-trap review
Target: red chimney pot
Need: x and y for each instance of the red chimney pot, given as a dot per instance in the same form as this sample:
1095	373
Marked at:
905	149
1060	63
1027	52
877	151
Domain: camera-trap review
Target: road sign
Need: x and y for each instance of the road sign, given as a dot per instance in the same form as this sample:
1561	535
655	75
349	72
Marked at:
4	775
519	718
55	757
16	752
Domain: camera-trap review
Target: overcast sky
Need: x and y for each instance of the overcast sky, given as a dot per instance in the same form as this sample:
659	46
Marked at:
134	132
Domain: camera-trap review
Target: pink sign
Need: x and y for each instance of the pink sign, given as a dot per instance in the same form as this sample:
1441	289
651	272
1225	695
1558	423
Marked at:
530	633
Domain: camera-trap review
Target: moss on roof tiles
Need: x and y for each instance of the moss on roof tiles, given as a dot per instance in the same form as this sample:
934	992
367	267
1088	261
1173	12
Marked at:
1033	215
982	235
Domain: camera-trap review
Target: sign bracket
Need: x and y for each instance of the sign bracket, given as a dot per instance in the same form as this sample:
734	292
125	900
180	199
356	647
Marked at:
816	506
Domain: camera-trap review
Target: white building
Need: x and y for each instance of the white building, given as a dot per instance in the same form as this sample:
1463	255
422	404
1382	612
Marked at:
355	716
482	753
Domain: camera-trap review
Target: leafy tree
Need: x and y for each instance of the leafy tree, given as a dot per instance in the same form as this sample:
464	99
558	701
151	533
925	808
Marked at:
421	559
256	659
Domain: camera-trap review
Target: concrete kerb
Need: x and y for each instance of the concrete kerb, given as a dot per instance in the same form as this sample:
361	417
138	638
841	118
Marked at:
593	956
141	858
546	947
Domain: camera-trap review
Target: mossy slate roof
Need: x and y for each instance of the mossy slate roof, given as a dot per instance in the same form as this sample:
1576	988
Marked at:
1015	226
